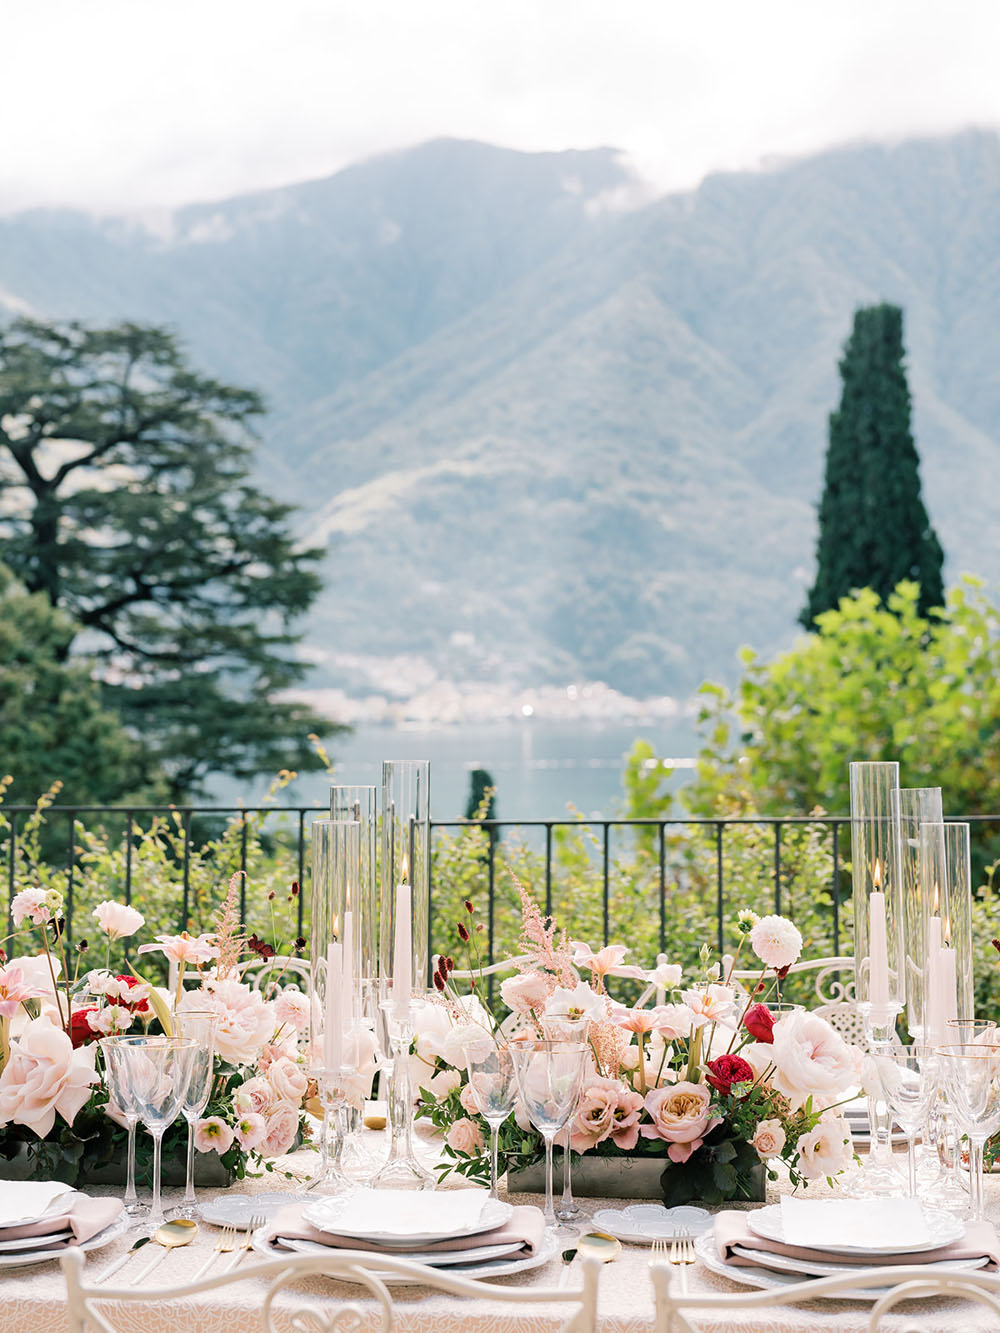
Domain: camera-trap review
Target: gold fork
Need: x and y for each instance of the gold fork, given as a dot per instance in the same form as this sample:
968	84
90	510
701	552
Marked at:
682	1255
243	1247
229	1240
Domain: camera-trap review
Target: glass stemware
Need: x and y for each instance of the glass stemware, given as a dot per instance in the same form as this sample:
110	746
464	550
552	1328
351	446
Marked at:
493	1086
567	1027
157	1071
909	1078
199	1025
118	1087
549	1075
971	1075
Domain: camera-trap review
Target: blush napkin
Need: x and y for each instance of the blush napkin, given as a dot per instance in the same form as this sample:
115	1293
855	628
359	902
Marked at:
731	1229
85	1218
526	1225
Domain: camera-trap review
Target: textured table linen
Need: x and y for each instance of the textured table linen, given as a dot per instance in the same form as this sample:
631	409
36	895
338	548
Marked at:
33	1299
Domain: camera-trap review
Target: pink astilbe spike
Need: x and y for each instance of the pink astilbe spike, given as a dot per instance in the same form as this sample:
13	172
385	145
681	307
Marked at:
538	941
229	934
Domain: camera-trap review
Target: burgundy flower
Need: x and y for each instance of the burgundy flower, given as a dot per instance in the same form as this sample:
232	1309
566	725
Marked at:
468	906
80	1031
727	1070
439	981
463	932
260	947
996	945
759	1022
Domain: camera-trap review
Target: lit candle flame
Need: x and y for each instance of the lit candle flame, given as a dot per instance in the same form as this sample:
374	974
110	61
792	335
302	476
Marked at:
947	928
335	928
404	870
937	898
877	875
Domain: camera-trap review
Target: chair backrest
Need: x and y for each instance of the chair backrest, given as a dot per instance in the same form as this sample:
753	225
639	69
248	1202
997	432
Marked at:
904	1283
833	987
283	1307
261	972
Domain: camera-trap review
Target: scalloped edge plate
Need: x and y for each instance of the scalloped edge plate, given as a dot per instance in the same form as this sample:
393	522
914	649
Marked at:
642	1223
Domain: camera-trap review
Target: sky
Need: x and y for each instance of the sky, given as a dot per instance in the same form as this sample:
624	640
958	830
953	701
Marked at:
126	105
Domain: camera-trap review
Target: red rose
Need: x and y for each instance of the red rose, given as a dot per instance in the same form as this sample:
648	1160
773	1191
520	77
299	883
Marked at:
759	1022
80	1031
727	1070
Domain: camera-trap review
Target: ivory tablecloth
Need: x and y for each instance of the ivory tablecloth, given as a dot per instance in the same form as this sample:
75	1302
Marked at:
32	1300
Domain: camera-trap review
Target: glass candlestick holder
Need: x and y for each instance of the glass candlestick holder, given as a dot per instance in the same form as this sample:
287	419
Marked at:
401	1169
330	1178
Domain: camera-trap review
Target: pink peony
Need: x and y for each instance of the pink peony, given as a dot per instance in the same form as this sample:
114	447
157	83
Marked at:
244	1020
184	948
281	1127
288	1080
525	993
776	942
811	1060
213	1135
465	1136
680	1116
118	919
249	1131
15	988
43	1075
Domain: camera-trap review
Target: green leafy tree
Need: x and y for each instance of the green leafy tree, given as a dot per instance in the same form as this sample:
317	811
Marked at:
126	499
873	528
53	725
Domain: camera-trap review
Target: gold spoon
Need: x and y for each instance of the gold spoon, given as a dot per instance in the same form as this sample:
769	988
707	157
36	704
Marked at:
181	1231
598	1245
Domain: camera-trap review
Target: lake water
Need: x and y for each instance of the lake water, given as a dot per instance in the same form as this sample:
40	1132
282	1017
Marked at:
539	768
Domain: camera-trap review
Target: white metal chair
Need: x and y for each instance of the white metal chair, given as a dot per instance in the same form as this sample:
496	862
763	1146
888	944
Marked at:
675	1313
834	993
282	1308
294	972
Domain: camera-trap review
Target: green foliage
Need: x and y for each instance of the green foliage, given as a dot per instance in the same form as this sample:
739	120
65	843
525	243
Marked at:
482	802
126	497
873	528
53	724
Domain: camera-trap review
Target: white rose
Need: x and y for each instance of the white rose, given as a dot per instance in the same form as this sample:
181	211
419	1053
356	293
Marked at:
467	1041
288	1080
811	1059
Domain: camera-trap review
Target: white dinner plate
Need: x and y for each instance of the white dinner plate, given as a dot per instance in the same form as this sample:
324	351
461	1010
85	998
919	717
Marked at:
491	1268
239	1210
817	1268
642	1223
117	1228
33	1242
944	1228
324	1214
432	1258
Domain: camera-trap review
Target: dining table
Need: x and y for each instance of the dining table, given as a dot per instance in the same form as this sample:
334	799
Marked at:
34	1298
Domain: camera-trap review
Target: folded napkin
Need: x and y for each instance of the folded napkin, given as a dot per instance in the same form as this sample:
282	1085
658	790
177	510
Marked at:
863	1224
412	1212
30	1198
526	1225
85	1217
731	1229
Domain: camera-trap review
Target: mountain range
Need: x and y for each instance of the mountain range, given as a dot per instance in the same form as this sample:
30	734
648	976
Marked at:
551	428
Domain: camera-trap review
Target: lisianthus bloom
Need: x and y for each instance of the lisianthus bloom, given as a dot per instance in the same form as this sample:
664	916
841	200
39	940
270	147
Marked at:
776	942
15	988
825	1150
680	1115
726	1070
665	976
249	1130
184	948
594	1117
610	958
213	1135
759	1022
580	1002
710	1005
118	920
45	1075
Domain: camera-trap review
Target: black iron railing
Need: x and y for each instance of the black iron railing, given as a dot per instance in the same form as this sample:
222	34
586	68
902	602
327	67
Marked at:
62	851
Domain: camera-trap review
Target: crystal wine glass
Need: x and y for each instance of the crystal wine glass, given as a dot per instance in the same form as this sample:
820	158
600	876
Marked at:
199	1025
909	1078
119	1090
567	1027
549	1075
972	1079
493	1086
157	1071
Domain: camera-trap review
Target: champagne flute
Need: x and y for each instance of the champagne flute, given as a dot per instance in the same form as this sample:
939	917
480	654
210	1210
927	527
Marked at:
493	1085
119	1090
199	1025
549	1075
157	1070
972	1079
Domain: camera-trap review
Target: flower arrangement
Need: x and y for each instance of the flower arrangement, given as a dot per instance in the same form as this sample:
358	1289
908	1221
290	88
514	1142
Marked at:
710	1079
54	1102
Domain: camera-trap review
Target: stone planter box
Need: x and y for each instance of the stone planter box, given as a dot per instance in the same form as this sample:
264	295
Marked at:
618	1177
209	1172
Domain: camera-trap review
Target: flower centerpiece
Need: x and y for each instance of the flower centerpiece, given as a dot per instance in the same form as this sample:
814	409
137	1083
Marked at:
709	1081
56	1118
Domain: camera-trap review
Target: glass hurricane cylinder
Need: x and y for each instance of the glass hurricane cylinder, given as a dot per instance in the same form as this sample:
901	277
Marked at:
879	955
361	805
945	867
913	806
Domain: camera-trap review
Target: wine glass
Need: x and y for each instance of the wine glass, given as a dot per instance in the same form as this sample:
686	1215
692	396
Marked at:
493	1086
972	1079
549	1075
909	1078
199	1025
157	1071
120	1095
567	1027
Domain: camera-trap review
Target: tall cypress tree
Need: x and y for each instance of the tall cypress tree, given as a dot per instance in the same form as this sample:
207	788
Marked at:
873	527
